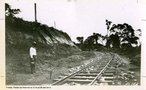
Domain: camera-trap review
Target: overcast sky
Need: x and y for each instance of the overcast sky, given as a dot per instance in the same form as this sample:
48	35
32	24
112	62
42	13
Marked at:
81	17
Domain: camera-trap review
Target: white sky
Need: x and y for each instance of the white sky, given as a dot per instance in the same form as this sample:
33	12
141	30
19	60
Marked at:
81	17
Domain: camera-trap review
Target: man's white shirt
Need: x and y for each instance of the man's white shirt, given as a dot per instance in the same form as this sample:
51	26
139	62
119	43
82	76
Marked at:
32	51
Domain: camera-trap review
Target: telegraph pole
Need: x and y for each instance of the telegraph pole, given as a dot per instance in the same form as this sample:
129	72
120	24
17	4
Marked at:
35	10
54	24
35	17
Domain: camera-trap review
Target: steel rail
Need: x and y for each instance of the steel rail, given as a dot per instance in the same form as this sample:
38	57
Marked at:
73	74
101	72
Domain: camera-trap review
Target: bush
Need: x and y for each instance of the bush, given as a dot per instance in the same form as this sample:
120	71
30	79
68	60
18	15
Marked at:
136	60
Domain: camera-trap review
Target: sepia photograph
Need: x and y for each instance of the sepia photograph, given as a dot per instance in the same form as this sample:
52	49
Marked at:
73	42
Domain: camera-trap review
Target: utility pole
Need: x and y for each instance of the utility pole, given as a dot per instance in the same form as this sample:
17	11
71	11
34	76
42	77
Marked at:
54	24
35	10
35	28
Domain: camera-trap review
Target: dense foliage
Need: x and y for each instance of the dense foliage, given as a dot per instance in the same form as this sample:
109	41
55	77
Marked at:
120	37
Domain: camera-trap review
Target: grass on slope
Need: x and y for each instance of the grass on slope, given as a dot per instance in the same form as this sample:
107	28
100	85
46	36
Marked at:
57	59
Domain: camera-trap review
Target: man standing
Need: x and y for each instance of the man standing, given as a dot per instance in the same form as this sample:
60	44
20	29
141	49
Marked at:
33	53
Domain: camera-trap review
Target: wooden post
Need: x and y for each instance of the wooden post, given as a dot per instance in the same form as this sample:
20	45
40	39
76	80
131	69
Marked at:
35	10
54	24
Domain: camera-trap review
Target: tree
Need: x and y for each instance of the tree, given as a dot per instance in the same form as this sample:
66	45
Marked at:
124	33
9	11
98	36
108	24
92	42
115	40
89	42
80	39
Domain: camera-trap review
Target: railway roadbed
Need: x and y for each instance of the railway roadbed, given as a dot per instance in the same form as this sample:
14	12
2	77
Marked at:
107	70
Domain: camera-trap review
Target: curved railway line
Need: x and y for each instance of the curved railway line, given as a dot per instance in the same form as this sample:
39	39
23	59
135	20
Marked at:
94	73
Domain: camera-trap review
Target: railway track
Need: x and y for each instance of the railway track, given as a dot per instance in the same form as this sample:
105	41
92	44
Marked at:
94	73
